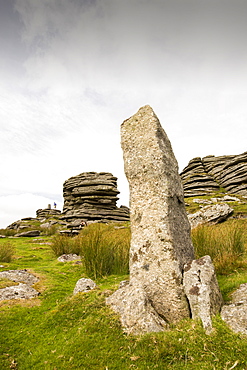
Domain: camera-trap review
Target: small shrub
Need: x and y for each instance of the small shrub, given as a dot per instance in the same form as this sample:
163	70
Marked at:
62	244
224	243
6	252
105	250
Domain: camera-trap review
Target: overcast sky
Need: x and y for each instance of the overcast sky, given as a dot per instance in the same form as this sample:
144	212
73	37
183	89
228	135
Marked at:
72	70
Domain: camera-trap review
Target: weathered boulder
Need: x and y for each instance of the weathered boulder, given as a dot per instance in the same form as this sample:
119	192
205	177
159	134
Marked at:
92	196
20	291
160	231
206	175
235	313
202	290
210	214
84	285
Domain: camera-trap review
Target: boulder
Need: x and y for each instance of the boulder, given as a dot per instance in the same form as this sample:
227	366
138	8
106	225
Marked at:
212	214
235	313
84	285
202	290
160	231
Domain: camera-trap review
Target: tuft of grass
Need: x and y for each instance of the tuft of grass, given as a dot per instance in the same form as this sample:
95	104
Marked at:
7	251
225	243
105	250
7	232
63	244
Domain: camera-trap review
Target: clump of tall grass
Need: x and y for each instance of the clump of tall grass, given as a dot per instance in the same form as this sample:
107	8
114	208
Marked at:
7	232
6	252
62	244
105	250
225	243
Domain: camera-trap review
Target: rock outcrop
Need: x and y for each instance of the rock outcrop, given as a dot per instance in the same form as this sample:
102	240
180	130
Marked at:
47	213
92	196
160	230
205	175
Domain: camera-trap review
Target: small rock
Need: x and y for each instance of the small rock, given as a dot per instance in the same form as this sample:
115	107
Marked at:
84	285
68	257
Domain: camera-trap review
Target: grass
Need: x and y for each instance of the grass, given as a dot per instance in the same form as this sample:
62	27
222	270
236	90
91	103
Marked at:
105	250
60	331
63	244
6	251
225	243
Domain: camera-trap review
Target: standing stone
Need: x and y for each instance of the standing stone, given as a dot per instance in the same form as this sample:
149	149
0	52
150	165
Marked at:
160	241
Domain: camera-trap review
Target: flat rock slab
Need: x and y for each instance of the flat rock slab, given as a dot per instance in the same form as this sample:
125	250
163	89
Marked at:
235	313
19	276
84	285
28	234
21	291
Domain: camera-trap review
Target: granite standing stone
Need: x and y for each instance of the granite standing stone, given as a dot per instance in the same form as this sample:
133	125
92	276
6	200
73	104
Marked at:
160	242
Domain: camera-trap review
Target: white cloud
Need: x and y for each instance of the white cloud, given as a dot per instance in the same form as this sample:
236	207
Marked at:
85	66
21	206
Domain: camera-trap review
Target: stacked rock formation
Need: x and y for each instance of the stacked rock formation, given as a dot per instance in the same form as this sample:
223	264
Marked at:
160	230
47	212
92	196
206	175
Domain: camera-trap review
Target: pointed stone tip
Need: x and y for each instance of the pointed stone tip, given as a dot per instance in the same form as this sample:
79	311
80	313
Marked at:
145	109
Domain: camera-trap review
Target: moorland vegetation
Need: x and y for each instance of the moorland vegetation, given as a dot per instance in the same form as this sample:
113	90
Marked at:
59	330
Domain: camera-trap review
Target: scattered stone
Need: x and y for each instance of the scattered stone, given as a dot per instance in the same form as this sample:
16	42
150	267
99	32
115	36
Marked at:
235	313
160	241
212	214
68	257
84	285
20	291
28	234
19	276
202	290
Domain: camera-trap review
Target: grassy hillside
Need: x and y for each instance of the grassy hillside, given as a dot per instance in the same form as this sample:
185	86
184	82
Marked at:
60	331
